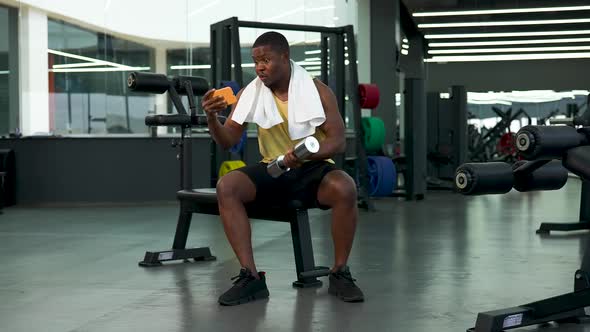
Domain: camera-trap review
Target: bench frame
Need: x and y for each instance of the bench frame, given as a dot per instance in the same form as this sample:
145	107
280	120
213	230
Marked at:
204	201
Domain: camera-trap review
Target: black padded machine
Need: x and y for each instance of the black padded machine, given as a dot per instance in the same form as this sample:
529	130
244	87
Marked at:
204	200
551	153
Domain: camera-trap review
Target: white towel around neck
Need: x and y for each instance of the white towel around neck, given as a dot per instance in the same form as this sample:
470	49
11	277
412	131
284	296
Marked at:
305	112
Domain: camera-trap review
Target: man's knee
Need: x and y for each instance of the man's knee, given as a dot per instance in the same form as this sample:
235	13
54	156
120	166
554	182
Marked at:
338	187
225	187
235	185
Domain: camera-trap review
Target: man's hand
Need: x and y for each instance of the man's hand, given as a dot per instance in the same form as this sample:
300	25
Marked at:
213	104
291	160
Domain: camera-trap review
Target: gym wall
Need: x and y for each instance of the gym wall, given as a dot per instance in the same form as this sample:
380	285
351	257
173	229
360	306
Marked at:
558	75
70	170
102	170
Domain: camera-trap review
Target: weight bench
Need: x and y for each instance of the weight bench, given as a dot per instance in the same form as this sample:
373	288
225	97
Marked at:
204	201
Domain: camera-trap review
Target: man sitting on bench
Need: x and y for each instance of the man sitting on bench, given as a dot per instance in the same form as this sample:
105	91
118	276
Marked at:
287	105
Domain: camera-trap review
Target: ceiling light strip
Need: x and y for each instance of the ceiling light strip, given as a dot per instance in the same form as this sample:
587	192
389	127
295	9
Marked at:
502	23
508	57
95	70
77	65
507	34
190	67
510	42
502	11
84	58
511	49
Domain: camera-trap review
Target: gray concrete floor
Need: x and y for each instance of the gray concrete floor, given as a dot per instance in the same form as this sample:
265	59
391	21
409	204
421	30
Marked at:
424	266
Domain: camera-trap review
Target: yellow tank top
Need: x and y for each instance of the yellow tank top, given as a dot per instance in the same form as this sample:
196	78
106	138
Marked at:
275	140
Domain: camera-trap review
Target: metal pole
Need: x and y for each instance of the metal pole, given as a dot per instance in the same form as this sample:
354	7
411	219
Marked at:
361	154
186	159
324	48
236	47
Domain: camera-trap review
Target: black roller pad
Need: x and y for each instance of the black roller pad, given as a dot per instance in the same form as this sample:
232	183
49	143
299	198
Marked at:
551	176
548	142
577	160
484	178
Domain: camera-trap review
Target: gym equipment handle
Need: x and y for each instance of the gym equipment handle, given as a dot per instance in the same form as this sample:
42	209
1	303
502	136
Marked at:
540	175
177	120
159	83
563	121
577	160
577	121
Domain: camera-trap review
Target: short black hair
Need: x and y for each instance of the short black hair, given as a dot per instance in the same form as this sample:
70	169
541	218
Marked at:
275	40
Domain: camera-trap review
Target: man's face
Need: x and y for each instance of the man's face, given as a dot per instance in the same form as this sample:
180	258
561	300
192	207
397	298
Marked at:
269	65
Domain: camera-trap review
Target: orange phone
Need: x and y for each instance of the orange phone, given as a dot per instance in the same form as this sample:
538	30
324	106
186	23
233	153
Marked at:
227	93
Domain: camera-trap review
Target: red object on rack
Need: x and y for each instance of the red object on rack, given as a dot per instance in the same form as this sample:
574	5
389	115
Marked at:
369	95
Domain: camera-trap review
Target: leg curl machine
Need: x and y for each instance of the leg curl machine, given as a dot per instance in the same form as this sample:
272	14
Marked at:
551	152
204	200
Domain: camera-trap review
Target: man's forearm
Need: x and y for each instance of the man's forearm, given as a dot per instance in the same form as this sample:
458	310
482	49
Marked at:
220	134
329	147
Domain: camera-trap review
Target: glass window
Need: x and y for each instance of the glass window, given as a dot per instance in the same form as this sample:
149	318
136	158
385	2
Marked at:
87	82
90	59
195	61
486	110
8	70
540	106
180	60
194	58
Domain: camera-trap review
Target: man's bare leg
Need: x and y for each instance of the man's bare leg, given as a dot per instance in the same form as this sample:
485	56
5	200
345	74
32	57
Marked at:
338	191
233	191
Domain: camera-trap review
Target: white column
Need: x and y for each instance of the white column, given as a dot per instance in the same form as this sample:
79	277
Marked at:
33	66
161	100
161	64
363	51
358	13
364	40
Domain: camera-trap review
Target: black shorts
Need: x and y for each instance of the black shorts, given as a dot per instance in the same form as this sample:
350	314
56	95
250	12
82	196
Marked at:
297	184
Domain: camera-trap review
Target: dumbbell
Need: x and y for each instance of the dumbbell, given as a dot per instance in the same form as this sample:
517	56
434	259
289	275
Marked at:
302	151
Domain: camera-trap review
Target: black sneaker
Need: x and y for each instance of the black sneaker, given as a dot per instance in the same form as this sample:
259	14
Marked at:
246	288
342	285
